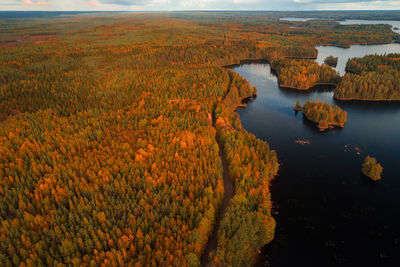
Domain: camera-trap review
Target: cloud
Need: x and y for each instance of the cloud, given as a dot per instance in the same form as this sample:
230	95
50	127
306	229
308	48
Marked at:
336	1
125	2
241	2
40	3
115	5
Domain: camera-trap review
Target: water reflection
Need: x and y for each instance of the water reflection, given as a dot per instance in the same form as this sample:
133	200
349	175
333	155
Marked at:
320	89
328	213
381	106
345	54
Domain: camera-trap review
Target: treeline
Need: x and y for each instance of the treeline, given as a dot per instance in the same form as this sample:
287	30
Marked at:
332	33
304	74
371	78
362	34
340	15
373	63
324	115
247	224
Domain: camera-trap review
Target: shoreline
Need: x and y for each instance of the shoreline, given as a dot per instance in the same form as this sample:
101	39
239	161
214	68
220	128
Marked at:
366	99
251	98
347	47
229	183
246	61
330	124
306	88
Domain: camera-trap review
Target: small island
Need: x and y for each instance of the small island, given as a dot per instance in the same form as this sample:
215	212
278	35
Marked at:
372	168
323	114
395	28
331	61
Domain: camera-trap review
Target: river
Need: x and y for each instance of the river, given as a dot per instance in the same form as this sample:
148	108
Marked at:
327	212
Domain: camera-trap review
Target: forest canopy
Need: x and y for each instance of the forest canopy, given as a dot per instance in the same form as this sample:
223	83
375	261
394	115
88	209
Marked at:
371	168
323	114
372	77
304	74
108	146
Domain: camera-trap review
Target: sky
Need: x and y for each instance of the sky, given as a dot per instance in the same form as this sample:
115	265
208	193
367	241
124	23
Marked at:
148	5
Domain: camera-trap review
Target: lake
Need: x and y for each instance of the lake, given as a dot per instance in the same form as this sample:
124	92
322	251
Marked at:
327	212
354	51
393	23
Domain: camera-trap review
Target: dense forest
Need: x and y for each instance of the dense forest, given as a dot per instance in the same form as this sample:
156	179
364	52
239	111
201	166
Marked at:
323	114
304	74
247	224
373	63
108	152
372	77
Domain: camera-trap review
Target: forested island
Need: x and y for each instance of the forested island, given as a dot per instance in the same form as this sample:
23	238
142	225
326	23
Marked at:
323	115
372	77
331	61
372	169
112	127
304	74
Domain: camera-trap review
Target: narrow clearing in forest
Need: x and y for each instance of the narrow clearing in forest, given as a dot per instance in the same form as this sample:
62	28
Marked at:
228	194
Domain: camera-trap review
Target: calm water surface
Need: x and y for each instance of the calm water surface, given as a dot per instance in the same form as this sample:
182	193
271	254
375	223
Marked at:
327	212
354	51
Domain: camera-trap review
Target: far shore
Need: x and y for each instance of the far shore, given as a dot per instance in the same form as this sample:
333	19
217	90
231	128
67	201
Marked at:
306	88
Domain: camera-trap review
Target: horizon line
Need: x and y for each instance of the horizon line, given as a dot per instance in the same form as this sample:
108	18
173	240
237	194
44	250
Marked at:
213	10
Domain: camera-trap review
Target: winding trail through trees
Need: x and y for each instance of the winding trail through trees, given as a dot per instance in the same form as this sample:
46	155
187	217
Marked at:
228	194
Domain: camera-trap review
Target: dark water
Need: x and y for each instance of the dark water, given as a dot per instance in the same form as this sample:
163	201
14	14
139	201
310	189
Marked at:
328	213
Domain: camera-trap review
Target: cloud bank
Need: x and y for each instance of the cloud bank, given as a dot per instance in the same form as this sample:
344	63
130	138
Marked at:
29	2
132	5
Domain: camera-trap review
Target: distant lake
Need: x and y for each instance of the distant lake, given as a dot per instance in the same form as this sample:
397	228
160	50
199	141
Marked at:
327	212
394	23
344	54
